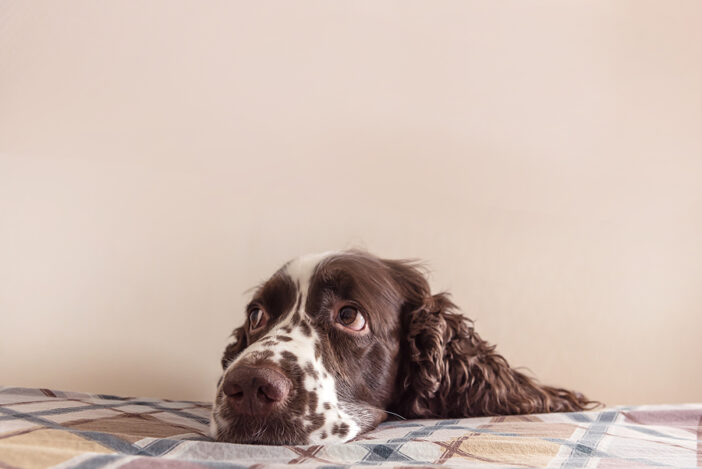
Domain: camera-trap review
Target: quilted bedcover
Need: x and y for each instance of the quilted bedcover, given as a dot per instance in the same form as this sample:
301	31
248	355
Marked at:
41	428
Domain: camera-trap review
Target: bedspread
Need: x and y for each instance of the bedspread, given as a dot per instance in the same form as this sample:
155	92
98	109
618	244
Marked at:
41	428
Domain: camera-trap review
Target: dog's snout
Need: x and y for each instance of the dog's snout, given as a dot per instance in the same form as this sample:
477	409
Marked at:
255	390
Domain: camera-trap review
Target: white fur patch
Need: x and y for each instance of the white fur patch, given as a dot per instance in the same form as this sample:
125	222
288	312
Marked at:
302	268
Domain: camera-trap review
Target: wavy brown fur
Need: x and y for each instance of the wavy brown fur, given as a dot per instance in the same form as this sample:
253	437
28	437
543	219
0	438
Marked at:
452	372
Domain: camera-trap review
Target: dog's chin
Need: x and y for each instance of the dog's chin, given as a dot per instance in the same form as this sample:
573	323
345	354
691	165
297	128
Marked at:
261	439
291	429
261	431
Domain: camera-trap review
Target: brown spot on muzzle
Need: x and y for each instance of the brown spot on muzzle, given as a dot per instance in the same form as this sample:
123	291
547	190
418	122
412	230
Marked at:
340	429
312	402
288	357
309	369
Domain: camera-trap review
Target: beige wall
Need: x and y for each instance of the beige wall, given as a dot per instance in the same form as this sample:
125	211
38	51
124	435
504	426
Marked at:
159	158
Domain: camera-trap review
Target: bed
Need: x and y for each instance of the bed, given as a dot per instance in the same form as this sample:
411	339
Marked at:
42	428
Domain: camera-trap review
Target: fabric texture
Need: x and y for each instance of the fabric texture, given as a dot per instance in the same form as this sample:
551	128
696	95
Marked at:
43	428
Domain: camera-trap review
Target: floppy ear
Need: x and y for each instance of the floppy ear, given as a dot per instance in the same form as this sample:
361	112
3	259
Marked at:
449	371
237	344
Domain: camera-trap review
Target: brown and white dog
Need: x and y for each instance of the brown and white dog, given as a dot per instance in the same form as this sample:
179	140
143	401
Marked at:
335	343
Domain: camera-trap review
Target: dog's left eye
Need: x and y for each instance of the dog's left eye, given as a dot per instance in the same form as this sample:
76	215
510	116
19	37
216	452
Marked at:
257	318
350	318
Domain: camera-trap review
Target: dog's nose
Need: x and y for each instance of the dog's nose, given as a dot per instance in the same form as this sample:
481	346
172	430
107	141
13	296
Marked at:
255	390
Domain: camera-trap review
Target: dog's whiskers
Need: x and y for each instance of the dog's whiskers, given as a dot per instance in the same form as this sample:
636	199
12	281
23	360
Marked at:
393	413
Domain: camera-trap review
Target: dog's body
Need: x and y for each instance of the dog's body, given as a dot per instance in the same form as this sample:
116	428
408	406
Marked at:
335	343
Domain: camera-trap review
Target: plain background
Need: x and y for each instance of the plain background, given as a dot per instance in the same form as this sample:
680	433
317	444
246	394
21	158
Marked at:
160	158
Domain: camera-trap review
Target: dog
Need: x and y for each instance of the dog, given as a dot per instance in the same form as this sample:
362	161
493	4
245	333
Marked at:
335	343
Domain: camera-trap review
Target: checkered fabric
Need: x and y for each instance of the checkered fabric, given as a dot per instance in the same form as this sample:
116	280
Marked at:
42	428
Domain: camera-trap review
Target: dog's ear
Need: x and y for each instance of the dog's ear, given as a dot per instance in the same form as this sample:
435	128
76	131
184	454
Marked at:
237	344
449	371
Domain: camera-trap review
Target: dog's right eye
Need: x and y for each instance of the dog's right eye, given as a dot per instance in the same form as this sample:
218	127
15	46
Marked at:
257	318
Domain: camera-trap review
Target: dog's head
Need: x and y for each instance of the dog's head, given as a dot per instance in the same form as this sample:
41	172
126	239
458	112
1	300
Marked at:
317	359
335	342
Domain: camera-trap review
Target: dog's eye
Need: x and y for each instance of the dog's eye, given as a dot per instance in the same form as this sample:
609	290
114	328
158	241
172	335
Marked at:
350	318
257	318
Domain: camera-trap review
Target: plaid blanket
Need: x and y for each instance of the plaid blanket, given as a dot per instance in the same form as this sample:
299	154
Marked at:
41	428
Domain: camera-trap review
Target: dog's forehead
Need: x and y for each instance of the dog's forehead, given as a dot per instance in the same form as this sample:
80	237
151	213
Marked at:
301	269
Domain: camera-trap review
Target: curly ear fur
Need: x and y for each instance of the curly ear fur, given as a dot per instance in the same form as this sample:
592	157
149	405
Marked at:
451	372
235	347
